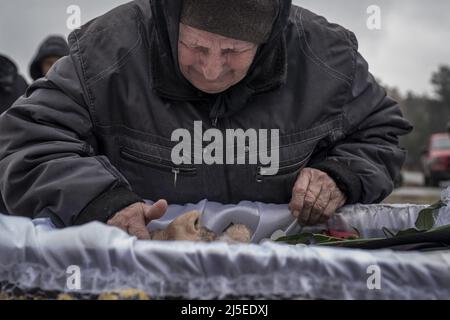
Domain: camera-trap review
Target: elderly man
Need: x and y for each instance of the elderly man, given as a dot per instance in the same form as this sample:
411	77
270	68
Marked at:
94	138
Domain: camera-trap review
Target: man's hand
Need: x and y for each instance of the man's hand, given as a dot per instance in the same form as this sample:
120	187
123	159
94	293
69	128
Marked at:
135	218
315	197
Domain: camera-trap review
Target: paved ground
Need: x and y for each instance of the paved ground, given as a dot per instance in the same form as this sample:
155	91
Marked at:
414	195
413	178
414	192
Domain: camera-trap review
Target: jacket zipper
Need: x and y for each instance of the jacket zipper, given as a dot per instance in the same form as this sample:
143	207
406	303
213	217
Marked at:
215	121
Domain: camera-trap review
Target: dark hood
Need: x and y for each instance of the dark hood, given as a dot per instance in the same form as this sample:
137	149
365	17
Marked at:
8	74
52	46
267	72
12	85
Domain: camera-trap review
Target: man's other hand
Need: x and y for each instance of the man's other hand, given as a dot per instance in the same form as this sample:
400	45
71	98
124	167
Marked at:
315	197
135	218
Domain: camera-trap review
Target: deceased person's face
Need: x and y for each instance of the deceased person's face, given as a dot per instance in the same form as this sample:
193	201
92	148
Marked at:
187	228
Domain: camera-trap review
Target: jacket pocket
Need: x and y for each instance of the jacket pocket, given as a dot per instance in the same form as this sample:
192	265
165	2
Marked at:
283	170
156	163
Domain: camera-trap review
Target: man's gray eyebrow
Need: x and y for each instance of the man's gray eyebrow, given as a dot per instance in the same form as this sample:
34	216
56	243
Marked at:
234	46
246	45
189	40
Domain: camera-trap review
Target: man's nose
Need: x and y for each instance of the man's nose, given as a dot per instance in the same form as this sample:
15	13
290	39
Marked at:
213	66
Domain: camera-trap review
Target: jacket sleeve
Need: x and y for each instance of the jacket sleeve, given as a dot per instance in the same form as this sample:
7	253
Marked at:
49	166
366	158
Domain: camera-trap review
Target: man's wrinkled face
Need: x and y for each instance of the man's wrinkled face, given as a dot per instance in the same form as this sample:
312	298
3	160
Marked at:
211	62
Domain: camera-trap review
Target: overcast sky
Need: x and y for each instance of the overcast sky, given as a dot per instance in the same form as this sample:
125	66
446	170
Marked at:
413	41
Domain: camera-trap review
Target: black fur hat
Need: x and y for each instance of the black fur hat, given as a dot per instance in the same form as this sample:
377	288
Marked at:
247	20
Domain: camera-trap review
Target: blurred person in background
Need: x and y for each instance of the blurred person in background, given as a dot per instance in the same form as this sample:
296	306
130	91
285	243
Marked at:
51	50
12	84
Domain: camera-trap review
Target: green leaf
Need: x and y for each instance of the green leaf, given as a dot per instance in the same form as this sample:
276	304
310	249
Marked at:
320	238
357	231
409	232
308	239
303	238
426	219
349	243
441	228
388	233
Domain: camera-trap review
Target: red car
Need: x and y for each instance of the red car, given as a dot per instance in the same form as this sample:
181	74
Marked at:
436	162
